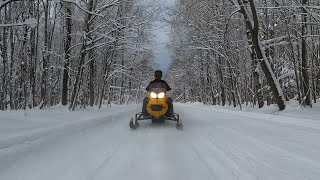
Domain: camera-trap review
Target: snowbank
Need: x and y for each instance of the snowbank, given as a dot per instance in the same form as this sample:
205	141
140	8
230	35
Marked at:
18	127
293	109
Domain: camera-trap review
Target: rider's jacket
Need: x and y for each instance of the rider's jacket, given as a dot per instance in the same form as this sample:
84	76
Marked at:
156	81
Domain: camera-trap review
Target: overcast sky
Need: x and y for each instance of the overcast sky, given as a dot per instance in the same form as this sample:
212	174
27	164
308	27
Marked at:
162	53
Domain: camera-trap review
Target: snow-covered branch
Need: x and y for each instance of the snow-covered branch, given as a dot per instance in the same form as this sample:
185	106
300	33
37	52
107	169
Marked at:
30	22
290	7
5	2
82	8
290	74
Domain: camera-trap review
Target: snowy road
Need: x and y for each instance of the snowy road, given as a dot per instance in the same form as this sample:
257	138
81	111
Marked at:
214	144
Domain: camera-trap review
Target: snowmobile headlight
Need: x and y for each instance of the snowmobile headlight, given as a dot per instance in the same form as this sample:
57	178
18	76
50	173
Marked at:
153	95
161	95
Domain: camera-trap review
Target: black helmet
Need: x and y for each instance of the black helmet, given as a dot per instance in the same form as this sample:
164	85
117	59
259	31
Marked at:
158	74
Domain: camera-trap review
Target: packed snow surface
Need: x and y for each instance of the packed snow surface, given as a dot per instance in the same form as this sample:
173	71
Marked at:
219	144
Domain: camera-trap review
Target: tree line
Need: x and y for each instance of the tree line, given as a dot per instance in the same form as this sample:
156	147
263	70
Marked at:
74	52
246	52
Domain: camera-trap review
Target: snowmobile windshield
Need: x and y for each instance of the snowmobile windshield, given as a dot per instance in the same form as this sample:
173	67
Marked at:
157	87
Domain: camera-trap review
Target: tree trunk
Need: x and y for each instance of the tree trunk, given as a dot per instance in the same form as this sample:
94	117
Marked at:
254	64
91	78
65	76
83	54
12	60
263	61
33	58
45	54
304	58
77	83
3	50
220	73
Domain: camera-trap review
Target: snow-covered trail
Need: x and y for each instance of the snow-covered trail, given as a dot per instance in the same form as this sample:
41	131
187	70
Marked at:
214	144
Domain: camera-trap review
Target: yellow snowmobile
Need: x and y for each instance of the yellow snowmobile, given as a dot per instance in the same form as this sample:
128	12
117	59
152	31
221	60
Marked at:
157	108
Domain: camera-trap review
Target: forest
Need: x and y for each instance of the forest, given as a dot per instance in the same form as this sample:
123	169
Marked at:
81	53
77	53
246	52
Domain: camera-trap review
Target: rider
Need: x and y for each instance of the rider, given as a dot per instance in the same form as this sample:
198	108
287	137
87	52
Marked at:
158	76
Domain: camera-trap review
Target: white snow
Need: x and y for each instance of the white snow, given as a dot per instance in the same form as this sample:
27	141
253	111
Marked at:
32	22
18	127
216	143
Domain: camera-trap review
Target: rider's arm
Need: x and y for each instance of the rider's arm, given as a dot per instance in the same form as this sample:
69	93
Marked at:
148	88
168	87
